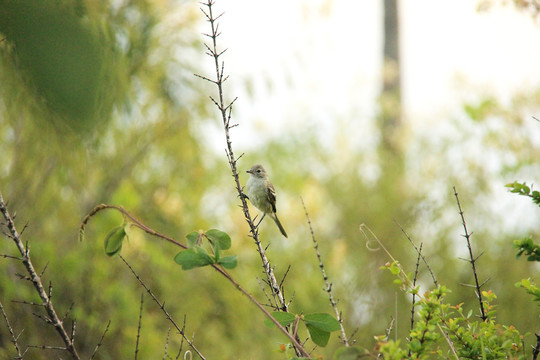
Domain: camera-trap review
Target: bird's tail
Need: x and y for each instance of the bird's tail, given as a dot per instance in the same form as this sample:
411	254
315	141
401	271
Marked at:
274	216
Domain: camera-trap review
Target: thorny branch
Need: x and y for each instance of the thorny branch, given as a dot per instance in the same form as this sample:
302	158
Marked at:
419	252
327	283
472	259
52	317
139	327
162	307
226	111
11	333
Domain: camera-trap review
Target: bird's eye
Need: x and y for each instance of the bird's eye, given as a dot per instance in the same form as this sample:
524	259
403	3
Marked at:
259	170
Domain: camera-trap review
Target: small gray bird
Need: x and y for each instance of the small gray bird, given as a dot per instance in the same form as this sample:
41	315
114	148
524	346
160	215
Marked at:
262	195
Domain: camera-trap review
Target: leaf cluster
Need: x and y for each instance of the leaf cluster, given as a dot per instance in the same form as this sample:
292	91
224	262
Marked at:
197	256
444	330
524	190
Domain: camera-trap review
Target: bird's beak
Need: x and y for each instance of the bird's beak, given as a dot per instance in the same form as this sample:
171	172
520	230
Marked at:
249	172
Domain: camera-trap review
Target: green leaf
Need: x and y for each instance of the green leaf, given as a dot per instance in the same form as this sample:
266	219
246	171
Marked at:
192	258
222	239
192	238
318	336
283	318
114	239
394	268
349	353
322	321
228	262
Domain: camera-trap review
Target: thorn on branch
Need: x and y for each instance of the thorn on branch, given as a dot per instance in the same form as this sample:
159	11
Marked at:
205	78
44	268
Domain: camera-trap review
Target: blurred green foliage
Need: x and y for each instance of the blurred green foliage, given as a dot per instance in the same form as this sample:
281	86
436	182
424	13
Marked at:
98	104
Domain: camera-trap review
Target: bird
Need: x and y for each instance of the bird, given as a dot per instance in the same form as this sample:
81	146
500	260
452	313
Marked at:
262	194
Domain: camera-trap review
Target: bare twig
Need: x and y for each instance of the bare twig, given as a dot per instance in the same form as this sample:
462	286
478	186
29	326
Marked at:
389	330
387	334
162	307
134	221
414	285
139	327
472	259
165	356
419	252
10	257
11	333
181	342
100	340
327	283
38	285
447	338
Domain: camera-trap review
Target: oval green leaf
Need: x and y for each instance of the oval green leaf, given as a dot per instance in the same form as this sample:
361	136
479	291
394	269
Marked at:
193	258
228	262
322	321
283	318
113	240
219	238
318	336
192	238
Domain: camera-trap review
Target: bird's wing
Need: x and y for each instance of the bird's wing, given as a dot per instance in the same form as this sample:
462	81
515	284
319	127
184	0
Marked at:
272	196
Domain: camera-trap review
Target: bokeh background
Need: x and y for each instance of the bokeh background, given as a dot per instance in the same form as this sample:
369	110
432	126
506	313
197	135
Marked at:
369	122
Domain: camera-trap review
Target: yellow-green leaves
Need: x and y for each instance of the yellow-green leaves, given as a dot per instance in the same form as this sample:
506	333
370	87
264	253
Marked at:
524	190
197	256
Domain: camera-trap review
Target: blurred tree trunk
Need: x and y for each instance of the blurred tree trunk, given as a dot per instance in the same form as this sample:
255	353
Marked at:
390	116
392	198
391	155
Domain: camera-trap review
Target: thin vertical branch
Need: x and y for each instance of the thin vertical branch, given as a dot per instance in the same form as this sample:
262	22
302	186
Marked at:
165	356
139	327
11	333
419	250
53	317
414	285
327	283
226	112
472	259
